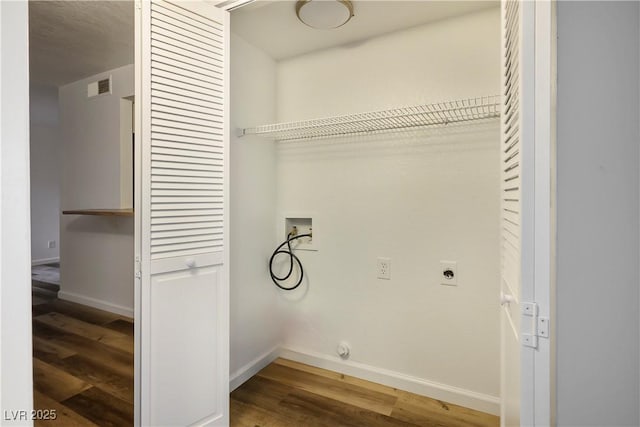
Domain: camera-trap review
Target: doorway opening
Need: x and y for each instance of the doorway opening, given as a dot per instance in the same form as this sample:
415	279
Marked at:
81	93
362	132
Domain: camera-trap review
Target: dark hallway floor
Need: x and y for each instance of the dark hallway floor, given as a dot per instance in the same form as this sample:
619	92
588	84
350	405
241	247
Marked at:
82	362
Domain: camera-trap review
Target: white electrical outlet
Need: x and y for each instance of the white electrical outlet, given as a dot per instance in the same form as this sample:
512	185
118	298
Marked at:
449	273
384	268
51	244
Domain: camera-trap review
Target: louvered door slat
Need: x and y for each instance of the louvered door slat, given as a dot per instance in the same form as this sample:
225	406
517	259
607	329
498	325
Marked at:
167	133
167	92
179	122
189	39
176	172
167	162
186	192
510	134
511	226
189	202
512	71
177	227
180	180
184	186
184	44
184	59
191	243
195	79
185	155
170	108
187	237
170	220
513	216
163	43
187	89
184	25
195	231
186	85
194	22
177	126
512	152
173	137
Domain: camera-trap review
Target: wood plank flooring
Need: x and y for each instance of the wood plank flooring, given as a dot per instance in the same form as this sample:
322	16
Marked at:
82	363
291	394
83	368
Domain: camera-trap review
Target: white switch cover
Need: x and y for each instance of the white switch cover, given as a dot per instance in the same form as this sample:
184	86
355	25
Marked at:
51	244
449	273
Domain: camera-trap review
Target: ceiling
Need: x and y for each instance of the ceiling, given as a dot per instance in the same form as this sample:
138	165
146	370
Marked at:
71	40
273	26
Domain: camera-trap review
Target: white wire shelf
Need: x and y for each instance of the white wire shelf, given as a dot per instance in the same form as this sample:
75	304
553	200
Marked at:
419	116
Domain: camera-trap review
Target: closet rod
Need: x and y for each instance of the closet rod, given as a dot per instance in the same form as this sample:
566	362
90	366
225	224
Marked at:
418	116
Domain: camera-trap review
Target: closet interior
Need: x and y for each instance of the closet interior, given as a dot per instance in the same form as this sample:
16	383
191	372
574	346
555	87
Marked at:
379	139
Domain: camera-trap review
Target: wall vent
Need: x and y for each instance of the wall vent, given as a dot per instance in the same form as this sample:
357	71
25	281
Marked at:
100	87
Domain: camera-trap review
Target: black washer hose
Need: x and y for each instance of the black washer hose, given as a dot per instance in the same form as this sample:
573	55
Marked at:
292	258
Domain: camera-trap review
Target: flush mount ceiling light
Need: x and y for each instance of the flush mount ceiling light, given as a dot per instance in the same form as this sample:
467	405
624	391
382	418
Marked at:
324	14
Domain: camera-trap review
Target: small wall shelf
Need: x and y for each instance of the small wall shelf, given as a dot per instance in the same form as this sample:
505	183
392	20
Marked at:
419	116
100	212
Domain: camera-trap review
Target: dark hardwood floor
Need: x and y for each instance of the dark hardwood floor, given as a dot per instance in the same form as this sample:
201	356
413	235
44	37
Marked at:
290	394
82	362
83	368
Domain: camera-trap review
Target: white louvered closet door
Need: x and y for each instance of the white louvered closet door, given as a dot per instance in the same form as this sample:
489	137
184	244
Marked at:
516	165
183	213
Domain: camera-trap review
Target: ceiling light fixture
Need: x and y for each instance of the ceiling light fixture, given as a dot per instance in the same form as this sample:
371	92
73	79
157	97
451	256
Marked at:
324	14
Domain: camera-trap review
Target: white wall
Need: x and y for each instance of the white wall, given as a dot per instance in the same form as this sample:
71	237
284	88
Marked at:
96	253
417	200
45	158
255	321
16	392
598	140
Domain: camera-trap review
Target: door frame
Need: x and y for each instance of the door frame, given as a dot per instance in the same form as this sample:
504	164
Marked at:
543	369
544	207
537	239
537	365
137	217
538	193
16	392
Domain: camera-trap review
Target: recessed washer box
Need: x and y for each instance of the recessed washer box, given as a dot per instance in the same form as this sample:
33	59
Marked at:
305	224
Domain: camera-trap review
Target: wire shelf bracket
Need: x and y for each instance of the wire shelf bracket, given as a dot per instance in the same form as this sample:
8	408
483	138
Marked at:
419	116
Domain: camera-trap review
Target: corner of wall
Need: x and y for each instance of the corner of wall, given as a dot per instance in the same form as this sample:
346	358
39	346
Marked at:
255	320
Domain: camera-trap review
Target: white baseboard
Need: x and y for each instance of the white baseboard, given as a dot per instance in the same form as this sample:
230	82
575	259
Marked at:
459	396
250	369
96	303
44	261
